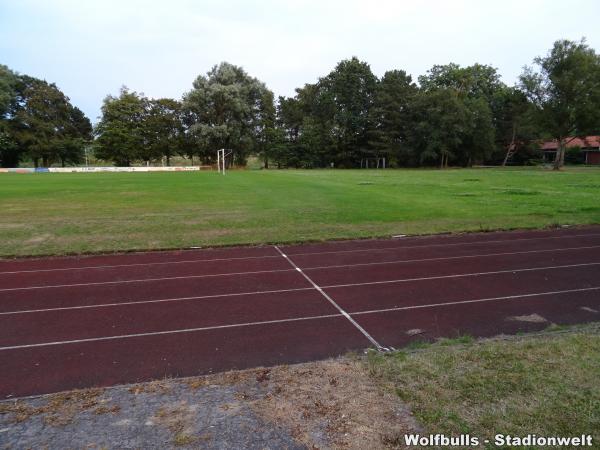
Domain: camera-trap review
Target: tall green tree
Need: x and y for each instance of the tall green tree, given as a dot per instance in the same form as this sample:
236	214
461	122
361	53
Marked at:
121	134
350	89
9	154
163	129
391	116
565	89
225	108
45	125
476	88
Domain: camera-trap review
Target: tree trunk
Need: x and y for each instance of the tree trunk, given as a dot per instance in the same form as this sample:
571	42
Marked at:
511	146
168	160
266	162
559	159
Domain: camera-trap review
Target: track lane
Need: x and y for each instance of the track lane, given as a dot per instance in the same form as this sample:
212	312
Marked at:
430	269
483	319
442	240
54	326
21	300
116	274
367	297
49	369
125	259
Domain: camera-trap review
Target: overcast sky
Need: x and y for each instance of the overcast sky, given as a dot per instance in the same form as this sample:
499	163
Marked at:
91	48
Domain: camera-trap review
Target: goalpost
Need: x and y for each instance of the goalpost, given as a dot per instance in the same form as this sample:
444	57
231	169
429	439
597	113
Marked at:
222	159
373	163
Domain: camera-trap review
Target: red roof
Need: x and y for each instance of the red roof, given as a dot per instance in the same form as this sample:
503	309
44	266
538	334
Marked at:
584	142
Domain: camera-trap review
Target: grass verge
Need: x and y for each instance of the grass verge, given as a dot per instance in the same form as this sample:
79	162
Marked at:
45	214
545	384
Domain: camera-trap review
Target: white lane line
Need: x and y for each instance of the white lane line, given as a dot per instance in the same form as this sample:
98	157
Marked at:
309	268
381	249
454	244
479	300
443	258
162	300
335	305
142	280
332	286
460	275
158	333
295	319
113	266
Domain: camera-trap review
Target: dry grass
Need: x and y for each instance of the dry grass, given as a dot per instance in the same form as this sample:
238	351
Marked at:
331	404
59	409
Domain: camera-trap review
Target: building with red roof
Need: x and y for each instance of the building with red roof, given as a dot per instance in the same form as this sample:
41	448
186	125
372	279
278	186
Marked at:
589	145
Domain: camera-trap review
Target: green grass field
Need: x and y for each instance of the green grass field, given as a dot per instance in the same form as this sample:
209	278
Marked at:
75	213
544	385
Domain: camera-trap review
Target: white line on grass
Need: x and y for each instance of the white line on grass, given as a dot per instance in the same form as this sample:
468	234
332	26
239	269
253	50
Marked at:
295	319
335	305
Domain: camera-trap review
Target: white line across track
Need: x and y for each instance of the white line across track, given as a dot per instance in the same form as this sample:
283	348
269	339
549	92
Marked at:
294	319
380	249
281	291
377	345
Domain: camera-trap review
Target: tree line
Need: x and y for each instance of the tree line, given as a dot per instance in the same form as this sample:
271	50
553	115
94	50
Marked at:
452	115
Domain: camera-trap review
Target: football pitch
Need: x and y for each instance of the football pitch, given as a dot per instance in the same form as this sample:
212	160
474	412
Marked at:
44	214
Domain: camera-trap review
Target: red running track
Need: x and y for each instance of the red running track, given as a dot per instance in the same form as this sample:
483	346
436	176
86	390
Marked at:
102	320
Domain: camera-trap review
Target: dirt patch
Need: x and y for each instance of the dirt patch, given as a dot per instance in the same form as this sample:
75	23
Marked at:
332	404
59	409
531	318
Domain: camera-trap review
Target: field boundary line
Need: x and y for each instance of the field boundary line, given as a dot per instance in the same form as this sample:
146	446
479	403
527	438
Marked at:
332	302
